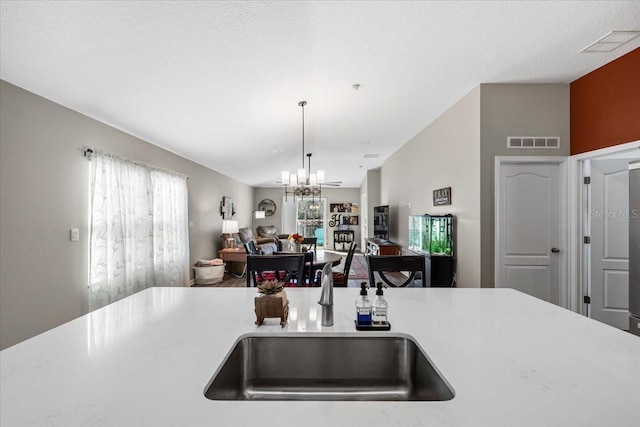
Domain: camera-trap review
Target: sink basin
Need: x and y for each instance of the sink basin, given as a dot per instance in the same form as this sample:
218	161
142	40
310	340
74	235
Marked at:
327	367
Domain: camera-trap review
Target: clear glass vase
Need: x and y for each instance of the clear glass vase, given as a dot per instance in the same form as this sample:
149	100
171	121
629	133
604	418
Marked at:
294	246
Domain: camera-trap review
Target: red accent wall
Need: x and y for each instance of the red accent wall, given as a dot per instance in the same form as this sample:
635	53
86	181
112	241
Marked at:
605	105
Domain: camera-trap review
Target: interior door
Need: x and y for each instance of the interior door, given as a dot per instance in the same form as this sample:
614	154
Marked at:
610	242
528	229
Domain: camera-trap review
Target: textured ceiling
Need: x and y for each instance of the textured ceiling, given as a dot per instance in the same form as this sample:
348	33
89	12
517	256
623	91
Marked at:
220	81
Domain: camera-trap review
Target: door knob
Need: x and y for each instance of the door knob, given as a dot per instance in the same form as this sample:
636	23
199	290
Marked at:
555	250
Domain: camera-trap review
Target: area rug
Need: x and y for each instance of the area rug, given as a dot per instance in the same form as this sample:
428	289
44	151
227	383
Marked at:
359	268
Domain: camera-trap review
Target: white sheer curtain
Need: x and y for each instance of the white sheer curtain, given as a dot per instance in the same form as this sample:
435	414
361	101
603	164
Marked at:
139	229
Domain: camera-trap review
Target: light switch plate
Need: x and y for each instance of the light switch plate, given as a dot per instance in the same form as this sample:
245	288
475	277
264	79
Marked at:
75	234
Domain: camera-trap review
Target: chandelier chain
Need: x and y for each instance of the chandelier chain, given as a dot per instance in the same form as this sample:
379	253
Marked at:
304	183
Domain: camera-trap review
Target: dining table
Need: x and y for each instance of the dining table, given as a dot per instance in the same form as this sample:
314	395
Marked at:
321	258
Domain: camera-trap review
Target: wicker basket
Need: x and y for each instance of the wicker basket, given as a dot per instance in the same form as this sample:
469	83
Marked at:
209	274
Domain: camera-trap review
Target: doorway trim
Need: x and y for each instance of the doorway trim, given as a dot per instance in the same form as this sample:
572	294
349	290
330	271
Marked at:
563	218
580	261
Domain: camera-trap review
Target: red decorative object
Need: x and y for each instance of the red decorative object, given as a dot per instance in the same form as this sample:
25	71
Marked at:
295	237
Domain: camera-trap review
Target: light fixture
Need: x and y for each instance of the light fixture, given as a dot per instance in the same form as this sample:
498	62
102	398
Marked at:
302	182
259	214
229	227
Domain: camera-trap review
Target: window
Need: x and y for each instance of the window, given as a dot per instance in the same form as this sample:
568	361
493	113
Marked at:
310	216
138	229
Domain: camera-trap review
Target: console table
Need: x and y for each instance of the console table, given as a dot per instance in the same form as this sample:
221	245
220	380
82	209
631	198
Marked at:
376	246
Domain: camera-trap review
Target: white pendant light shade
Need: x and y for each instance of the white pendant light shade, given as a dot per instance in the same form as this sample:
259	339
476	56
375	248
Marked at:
320	177
285	177
313	179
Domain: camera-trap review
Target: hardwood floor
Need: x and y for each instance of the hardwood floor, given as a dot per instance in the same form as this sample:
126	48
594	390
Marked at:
229	281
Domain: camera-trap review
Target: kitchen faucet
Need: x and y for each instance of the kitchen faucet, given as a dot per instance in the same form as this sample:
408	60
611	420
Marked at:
326	295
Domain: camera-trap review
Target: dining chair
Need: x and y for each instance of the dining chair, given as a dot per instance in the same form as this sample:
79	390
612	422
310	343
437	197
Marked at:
309	243
341	279
285	268
250	248
309	278
320	236
386	264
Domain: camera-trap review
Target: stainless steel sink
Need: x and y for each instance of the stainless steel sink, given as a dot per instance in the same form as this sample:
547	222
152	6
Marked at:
321	367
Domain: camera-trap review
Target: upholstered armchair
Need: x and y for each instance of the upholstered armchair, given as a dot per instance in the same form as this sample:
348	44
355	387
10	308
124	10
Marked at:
271	232
267	245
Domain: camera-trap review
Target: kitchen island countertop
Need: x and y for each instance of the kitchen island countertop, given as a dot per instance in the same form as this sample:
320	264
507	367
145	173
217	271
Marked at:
512	360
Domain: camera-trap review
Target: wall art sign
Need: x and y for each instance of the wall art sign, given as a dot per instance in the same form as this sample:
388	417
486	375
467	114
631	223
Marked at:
351	208
342	221
226	208
442	196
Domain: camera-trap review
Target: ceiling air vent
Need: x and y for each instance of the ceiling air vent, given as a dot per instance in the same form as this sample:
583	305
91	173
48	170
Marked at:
611	41
371	156
533	142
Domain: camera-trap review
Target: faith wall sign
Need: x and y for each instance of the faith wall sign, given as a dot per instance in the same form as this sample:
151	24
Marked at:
442	196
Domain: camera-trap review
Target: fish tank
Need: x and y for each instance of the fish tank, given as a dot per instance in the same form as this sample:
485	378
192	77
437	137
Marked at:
431	234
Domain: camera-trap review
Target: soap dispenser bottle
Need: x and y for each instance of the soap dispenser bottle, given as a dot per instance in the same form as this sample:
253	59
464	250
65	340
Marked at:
363	307
379	307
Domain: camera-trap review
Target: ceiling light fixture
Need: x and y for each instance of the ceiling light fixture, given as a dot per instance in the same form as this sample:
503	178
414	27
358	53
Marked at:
611	41
303	183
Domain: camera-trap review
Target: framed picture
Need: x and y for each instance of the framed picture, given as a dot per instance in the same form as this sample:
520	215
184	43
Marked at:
351	208
350	219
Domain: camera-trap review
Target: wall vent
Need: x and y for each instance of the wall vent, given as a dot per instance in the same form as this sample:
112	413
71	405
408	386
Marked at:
533	142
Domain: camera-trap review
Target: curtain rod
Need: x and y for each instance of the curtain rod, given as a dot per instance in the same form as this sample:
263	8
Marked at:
89	152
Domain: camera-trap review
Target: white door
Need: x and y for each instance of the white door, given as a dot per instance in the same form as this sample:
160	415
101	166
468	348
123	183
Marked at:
528	229
610	242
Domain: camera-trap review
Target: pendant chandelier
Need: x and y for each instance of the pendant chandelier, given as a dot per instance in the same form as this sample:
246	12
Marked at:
302	182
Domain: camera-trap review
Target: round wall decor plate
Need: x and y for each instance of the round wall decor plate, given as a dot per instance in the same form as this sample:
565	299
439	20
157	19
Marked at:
268	206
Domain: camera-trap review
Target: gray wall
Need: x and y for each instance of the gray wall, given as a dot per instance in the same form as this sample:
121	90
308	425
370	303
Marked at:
445	154
515	110
371	187
44	192
333	195
458	149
